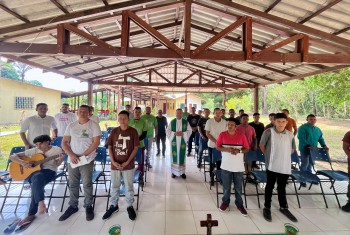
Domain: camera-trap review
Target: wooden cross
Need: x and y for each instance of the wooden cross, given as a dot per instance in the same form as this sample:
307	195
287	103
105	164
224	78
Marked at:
209	224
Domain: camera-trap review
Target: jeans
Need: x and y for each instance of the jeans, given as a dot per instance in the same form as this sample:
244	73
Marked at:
306	161
227	178
148	146
203	145
74	174
37	181
190	140
140	158
213	164
161	138
281	179
116	178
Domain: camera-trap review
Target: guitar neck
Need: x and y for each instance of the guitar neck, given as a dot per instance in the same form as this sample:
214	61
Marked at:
45	160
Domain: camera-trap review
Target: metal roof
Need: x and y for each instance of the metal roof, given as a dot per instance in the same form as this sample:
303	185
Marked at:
32	23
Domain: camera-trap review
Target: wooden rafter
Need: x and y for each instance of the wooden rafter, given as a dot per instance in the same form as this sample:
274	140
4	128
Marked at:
218	36
105	2
187	28
319	11
152	31
18	16
160	75
272	6
58	5
188	77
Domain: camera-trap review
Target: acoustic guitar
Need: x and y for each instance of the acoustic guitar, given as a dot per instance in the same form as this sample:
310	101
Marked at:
19	172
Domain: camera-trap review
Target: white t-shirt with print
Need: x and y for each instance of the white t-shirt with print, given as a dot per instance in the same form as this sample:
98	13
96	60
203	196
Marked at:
63	120
82	137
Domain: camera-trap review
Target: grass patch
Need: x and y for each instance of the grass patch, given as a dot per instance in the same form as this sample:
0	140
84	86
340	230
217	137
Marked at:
10	128
6	144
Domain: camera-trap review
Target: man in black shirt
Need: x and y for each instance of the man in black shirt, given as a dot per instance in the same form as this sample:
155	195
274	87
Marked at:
203	140
162	125
240	112
259	130
272	121
232	114
192	119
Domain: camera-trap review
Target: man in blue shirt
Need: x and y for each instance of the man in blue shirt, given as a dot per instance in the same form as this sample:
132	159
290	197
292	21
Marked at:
309	136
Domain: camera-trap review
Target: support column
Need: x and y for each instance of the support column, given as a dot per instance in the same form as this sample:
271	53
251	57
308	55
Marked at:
90	93
224	100
256	99
96	94
186	100
119	94
114	108
151	100
131	100
78	101
75	103
123	96
158	101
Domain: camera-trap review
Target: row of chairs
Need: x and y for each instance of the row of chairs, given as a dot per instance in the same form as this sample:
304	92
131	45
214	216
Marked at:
100	176
298	176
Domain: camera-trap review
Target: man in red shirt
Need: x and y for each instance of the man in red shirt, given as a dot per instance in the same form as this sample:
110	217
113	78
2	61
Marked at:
233	145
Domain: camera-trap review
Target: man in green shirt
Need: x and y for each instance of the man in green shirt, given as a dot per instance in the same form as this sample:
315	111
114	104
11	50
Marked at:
152	131
140	126
185	114
309	136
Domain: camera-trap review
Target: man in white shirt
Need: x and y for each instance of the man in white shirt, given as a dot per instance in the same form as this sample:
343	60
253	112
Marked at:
63	119
92	116
213	128
80	141
39	124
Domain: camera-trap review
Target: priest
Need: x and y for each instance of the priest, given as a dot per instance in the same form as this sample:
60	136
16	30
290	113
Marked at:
178	133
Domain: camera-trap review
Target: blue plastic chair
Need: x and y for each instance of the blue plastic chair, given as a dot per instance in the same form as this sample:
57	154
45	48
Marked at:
57	142
333	175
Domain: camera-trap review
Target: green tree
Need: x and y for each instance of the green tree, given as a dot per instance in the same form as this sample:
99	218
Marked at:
7	70
35	82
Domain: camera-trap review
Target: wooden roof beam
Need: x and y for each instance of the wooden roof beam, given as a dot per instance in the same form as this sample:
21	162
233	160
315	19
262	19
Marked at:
272	6
18	16
330	38
58	5
319	11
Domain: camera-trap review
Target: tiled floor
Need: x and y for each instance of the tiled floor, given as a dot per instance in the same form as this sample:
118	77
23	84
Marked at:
176	206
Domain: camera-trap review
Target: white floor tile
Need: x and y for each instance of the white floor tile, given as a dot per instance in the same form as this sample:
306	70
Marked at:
176	188
197	188
152	223
178	203
120	218
152	203
180	222
202	202
81	226
237	223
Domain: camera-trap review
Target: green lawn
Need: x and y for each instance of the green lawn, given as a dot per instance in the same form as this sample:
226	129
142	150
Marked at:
10	128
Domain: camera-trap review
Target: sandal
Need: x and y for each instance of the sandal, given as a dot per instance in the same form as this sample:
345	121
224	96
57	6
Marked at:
24	225
11	227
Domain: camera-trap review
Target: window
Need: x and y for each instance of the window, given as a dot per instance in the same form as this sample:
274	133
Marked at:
24	102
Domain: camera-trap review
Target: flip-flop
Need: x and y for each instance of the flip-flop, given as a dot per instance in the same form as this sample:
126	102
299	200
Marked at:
11	227
24	226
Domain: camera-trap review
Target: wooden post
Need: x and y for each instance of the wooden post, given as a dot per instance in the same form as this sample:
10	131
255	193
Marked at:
151	101
224	100
114	108
186	99
123	96
119	94
132	99
256	99
90	93
158	101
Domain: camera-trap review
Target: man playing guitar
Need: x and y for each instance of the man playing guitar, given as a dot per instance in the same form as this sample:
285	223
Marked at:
40	178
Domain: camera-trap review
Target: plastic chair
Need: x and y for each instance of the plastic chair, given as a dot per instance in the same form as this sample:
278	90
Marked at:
332	175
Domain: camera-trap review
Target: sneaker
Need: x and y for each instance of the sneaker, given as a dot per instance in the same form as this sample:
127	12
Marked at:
346	208
163	154
183	176
267	214
112	209
288	214
199	165
224	207
70	211
188	154
157	154
173	175
131	212
89	213
242	210
303	184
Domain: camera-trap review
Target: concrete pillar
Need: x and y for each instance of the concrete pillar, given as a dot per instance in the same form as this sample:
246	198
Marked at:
119	96
224	100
